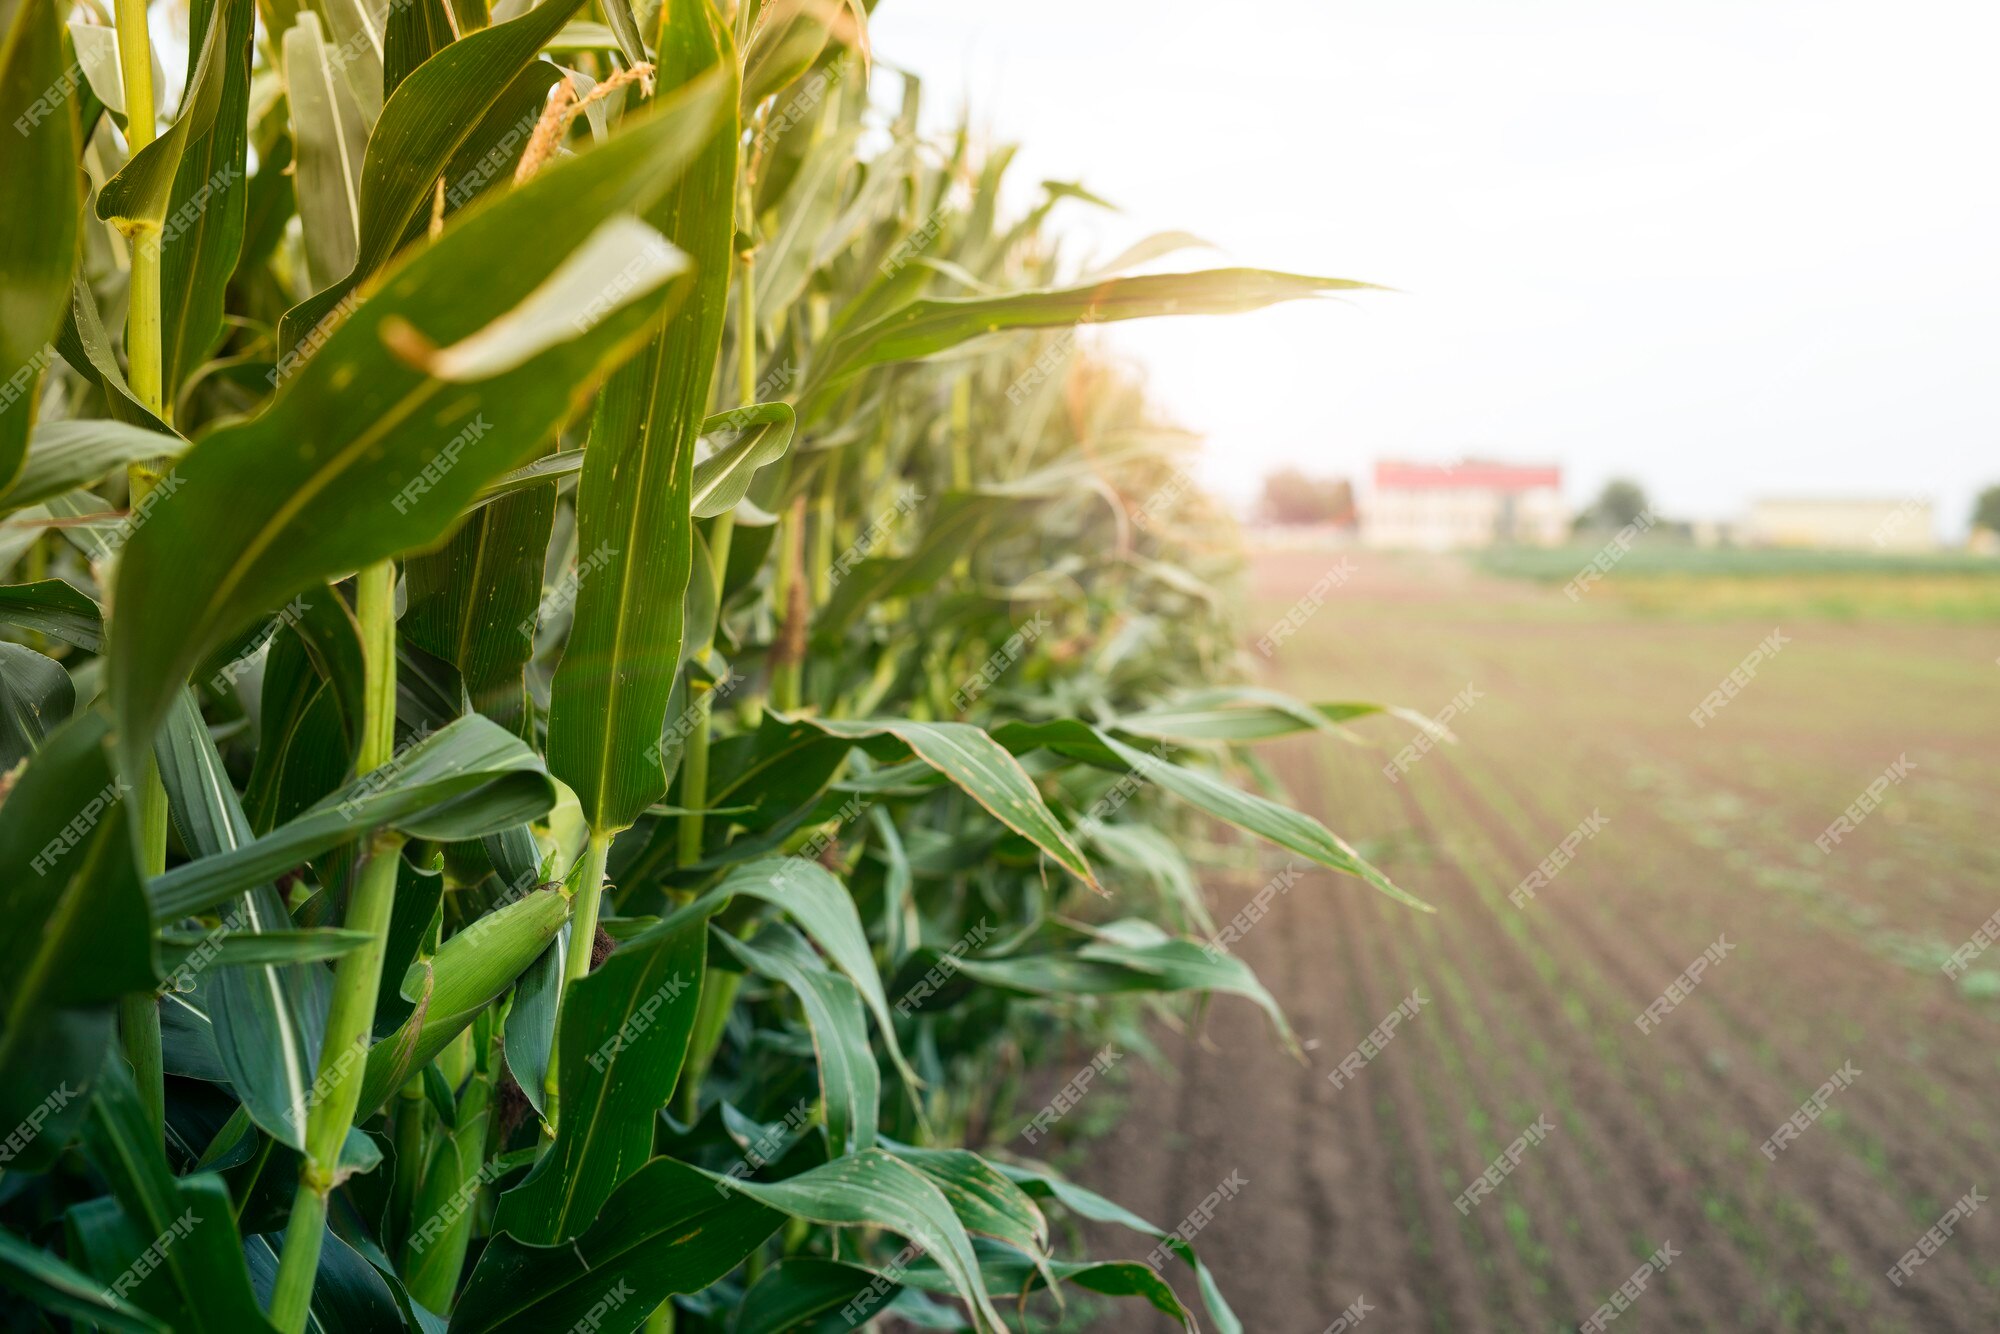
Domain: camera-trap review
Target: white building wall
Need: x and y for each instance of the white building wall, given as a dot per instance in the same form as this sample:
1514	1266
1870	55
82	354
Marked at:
1458	518
1867	525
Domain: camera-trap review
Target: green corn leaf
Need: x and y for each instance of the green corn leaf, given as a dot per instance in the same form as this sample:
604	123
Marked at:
187	1043
268	1019
65	455
204	221
622	1038
926	327
778	769
469	972
414	920
750	438
303	751
961	523
980	766
54	1287
466	780
850	1085
987	1202
821	906
196	1280
324	624
625	27
1292	830
355	29
415	31
445	1208
608	701
87	348
549	468
135	200
330	145
70	889
1004	1270
272	200
1183	965
790	36
1113	1278
1046	1183
350	1295
531	1022
1140	960
744	438
1237	713
362	455
430	116
488	157
668	1229
785	260
67	887
38	160
56	609
875	1189
236	949
472	601
1250	713
36	694
795	1290
1149	248
49	1071
200	1282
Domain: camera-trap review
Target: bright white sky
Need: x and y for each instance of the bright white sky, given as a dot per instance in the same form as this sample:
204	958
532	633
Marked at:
1728	248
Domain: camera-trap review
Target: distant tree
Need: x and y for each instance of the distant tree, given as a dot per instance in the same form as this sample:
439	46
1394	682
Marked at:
1619	503
1986	510
1291	497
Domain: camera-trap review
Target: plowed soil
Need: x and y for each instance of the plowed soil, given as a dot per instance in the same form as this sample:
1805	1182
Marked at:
1832	959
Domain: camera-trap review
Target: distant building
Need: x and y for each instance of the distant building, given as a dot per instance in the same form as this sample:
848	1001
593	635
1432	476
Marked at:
1865	525
1452	506
1715	533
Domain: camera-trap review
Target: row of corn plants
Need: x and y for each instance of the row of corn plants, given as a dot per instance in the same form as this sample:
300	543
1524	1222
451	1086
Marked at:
591	672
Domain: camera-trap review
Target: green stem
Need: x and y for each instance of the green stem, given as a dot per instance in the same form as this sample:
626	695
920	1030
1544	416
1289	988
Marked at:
139	1015
142	328
721	533
786	671
409	1133
586	893
298	1265
589	892
135	72
694	756
139	1031
694	778
350	1019
142	323
711	1016
139	1012
746	326
961	434
822	536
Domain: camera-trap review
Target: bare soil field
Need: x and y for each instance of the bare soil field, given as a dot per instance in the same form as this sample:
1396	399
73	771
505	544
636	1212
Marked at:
1822	999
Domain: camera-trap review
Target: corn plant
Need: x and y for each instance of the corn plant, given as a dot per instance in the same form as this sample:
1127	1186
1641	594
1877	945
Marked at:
593	674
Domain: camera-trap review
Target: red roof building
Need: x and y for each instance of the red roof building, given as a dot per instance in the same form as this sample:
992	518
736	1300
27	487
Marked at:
1473	503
